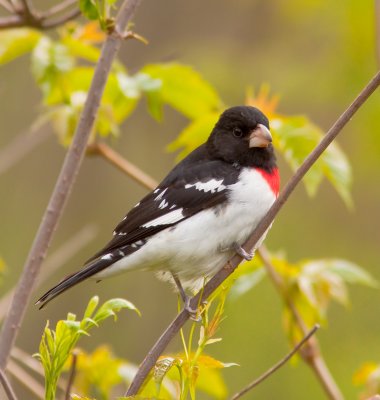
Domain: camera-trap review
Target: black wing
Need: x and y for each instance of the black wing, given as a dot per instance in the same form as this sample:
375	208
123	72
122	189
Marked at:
195	184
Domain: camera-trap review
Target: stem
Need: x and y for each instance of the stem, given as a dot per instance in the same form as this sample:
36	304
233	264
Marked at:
232	264
63	186
7	386
72	375
275	367
124	165
310	353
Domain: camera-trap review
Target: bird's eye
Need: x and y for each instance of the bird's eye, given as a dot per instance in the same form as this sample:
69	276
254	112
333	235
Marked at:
237	132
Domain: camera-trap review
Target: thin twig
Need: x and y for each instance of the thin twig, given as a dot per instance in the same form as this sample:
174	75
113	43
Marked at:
232	264
26	380
26	16
56	260
275	367
53	23
310	353
20	146
124	165
8	6
63	187
58	8
7	386
72	374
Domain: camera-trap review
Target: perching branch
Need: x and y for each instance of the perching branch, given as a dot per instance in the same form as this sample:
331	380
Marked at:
63	185
232	264
310	353
277	366
7	386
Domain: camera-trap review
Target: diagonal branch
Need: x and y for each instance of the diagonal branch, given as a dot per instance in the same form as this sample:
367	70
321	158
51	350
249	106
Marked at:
63	186
310	353
232	264
25	15
122	164
277	366
7	386
7	6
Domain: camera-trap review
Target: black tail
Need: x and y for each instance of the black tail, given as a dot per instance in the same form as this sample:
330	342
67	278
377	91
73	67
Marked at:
90	269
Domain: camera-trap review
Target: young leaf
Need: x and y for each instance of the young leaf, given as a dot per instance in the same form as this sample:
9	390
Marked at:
194	134
17	42
184	89
56	346
89	9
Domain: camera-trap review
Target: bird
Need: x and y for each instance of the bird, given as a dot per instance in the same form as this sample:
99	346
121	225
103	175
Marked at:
201	213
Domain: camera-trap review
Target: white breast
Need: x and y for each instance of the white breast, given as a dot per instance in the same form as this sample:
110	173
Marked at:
198	246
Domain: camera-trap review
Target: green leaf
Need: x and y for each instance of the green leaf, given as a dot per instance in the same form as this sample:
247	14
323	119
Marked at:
16	42
194	134
80	49
89	9
295	137
348	271
49	60
56	346
184	89
110	307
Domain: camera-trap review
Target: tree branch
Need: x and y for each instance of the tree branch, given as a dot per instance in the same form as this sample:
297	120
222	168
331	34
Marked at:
277	366
7	6
310	353
58	8
26	16
232	264
53	23
7	386
122	164
63	186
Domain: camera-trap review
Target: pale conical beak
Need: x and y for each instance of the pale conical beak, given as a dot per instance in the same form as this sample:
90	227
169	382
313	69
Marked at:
260	137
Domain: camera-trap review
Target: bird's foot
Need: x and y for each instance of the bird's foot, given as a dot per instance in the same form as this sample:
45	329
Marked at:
192	312
186	300
242	253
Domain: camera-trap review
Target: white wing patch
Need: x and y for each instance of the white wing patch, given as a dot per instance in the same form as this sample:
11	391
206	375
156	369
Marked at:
210	186
169	218
159	197
163	204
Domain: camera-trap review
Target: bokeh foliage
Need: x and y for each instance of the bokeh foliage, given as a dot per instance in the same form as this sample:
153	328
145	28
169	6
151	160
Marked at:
62	68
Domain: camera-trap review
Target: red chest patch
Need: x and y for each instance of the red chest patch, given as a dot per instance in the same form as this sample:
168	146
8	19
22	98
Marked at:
272	178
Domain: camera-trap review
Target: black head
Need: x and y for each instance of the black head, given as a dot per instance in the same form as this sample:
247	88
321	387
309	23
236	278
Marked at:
242	136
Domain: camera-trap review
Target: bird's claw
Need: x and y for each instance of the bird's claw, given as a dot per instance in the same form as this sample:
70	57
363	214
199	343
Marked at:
192	312
242	253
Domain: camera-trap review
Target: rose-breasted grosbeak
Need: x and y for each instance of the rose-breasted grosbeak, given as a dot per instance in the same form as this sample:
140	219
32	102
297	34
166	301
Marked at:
200	214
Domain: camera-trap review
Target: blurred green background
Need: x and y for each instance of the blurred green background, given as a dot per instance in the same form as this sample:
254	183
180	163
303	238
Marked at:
317	55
